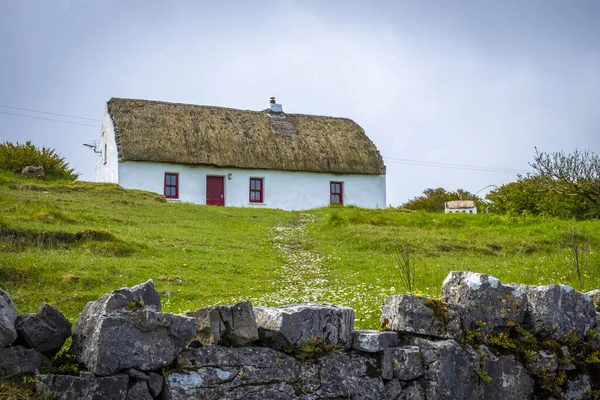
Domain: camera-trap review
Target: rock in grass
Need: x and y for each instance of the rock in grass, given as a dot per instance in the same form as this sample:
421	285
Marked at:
229	325
65	387
17	360
8	315
296	325
555	311
419	315
371	341
489	305
45	331
124	330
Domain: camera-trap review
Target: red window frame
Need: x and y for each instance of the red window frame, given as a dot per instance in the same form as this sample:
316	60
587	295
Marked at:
256	191
171	185
336	193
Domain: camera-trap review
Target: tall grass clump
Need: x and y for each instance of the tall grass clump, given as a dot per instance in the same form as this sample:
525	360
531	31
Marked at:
15	156
403	254
577	244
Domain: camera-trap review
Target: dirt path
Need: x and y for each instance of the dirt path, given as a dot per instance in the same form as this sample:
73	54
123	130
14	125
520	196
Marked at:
303	277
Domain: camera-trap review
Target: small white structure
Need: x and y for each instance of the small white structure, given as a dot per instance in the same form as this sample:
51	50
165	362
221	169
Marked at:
228	157
460	206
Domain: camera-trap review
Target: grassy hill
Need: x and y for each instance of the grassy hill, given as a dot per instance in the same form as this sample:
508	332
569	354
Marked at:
68	243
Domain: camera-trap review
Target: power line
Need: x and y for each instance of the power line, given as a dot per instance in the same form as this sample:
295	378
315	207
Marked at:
50	119
50	113
388	159
483	169
451	166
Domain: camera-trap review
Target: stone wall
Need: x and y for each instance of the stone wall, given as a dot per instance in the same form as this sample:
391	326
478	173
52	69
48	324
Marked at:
481	340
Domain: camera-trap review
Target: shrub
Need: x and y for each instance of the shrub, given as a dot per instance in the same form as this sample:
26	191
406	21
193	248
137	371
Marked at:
433	200
13	157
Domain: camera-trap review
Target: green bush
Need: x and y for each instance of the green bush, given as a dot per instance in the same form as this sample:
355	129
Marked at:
529	196
13	157
433	200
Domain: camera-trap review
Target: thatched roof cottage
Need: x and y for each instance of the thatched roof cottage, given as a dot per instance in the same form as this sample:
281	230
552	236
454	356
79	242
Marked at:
224	156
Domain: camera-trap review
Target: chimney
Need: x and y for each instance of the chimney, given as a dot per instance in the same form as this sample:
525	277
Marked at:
275	107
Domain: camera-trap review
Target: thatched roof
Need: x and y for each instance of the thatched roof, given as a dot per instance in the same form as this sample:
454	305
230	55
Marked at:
224	137
458	204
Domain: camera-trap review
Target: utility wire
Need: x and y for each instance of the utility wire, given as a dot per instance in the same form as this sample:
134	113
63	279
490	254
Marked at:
388	159
452	165
50	119
473	168
50	113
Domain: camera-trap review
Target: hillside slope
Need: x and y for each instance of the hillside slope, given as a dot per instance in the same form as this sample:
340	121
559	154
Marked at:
68	243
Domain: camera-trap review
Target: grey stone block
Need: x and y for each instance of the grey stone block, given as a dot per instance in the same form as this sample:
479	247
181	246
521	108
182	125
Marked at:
577	389
17	360
230	325
155	383
392	390
138	390
488	304
509	378
216	372
404	363
371	341
45	331
124	330
297	324
554	311
450	372
418	315
412	391
8	315
341	375
245	365
64	387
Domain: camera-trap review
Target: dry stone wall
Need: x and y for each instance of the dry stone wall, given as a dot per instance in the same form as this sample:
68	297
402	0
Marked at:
482	340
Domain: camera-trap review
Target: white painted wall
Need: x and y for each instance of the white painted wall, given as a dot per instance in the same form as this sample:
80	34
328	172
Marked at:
472	210
282	189
107	164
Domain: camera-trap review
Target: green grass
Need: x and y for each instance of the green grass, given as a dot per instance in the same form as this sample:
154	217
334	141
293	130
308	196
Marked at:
69	243
66	244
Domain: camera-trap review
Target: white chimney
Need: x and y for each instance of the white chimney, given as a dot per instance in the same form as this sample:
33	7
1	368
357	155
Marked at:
275	107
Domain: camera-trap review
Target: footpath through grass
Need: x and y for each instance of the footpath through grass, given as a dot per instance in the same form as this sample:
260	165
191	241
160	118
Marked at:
68	243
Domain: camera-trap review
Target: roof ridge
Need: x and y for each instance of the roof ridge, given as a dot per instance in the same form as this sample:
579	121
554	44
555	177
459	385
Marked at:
223	108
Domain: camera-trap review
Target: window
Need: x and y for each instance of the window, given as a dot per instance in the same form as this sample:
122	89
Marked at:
105	153
171	186
256	190
336	195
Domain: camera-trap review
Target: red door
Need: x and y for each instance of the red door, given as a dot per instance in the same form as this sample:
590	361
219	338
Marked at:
215	191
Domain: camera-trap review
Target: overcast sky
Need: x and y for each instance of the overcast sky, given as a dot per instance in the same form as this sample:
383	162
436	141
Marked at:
476	83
